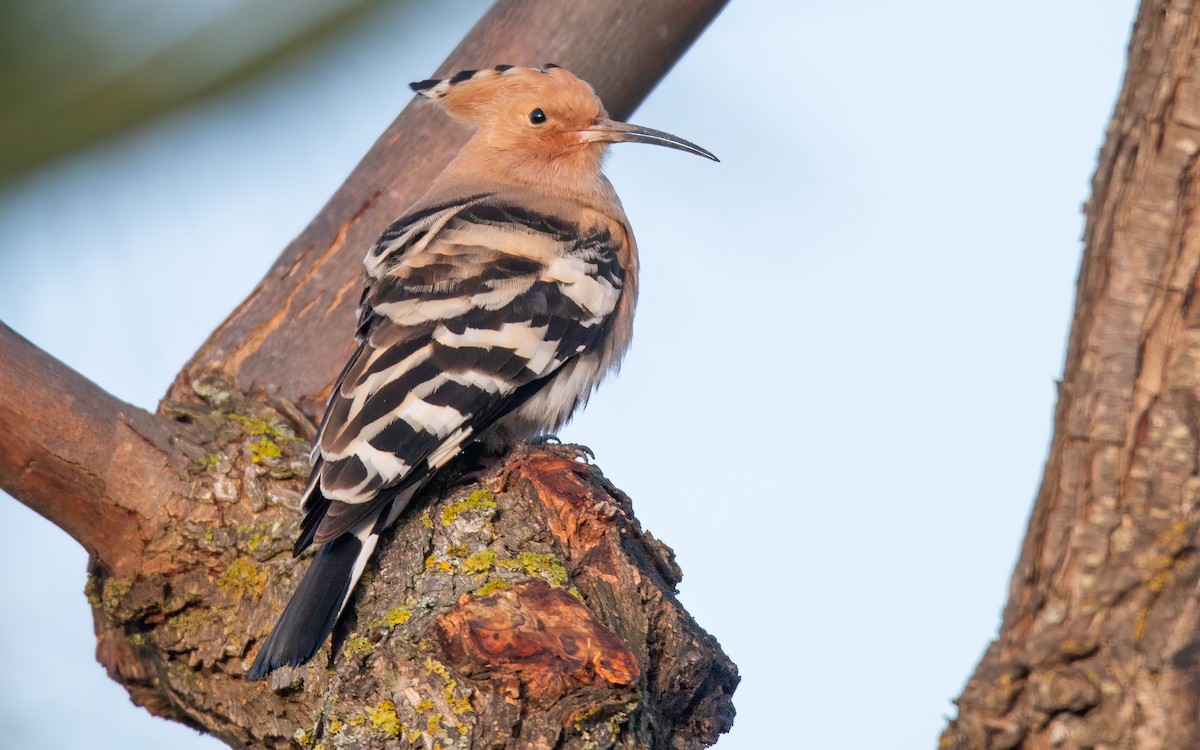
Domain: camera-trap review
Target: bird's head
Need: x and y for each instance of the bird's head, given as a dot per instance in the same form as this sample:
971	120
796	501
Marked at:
540	118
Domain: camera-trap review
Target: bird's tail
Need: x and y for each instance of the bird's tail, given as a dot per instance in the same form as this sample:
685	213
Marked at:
317	603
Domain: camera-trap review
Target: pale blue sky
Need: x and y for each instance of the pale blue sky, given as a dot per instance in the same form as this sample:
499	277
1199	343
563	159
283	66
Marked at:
839	396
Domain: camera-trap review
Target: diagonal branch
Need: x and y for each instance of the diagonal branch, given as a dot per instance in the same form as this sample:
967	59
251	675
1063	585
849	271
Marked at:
293	332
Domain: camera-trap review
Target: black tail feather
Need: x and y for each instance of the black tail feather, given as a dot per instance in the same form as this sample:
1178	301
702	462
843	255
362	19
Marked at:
313	610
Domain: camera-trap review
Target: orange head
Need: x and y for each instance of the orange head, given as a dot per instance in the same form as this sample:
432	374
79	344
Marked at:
537	119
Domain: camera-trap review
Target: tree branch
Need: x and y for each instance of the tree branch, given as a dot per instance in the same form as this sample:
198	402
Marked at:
1100	641
90	463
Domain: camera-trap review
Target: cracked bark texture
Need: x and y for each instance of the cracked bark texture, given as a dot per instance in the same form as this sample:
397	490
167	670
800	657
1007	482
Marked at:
1099	645
527	609
524	608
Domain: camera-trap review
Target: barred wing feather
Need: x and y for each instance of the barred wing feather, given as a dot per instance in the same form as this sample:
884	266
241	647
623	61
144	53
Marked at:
471	306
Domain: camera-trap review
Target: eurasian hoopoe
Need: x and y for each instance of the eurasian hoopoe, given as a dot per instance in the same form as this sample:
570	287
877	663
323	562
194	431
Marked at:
492	310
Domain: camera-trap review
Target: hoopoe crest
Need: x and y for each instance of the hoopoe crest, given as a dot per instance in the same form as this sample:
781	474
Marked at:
492	310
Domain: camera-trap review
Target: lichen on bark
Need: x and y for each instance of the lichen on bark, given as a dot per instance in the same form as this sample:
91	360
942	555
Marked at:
524	607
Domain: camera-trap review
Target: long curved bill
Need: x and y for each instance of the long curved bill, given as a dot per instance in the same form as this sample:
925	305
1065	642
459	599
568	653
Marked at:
611	131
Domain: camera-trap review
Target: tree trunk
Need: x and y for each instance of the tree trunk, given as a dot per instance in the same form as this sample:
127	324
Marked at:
520	608
1100	641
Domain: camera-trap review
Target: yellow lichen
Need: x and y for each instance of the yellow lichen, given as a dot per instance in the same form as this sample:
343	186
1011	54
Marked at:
432	666
393	617
434	724
383	718
335	726
458	706
481	499
492	586
480	562
424	705
548	567
357	645
243	578
1139	624
426	521
303	736
433	562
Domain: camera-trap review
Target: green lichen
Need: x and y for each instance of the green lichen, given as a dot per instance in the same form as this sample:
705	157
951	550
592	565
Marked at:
357	645
481	499
209	460
548	567
384	718
113	593
243	578
262	449
190	622
492	586
480	562
92	590
208	533
577	594
255	426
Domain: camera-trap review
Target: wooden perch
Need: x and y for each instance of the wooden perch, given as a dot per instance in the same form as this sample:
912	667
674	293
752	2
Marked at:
527	609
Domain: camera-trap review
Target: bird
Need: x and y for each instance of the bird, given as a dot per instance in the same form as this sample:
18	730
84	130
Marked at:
491	311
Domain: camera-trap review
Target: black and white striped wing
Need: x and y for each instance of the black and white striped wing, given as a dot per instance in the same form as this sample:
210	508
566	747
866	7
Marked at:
471	307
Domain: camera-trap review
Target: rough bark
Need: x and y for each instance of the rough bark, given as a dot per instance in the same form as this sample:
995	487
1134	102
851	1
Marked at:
1100	641
526	609
523	607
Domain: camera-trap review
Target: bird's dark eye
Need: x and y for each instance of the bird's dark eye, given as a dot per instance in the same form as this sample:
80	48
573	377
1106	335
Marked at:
537	116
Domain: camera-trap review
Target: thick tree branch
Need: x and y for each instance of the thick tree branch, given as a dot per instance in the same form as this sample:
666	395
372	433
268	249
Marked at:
90	463
1100	642
292	333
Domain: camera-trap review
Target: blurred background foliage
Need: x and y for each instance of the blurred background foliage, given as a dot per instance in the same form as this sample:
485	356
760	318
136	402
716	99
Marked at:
77	72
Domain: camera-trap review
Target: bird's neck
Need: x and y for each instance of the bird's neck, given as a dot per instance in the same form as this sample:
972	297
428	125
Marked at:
575	176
